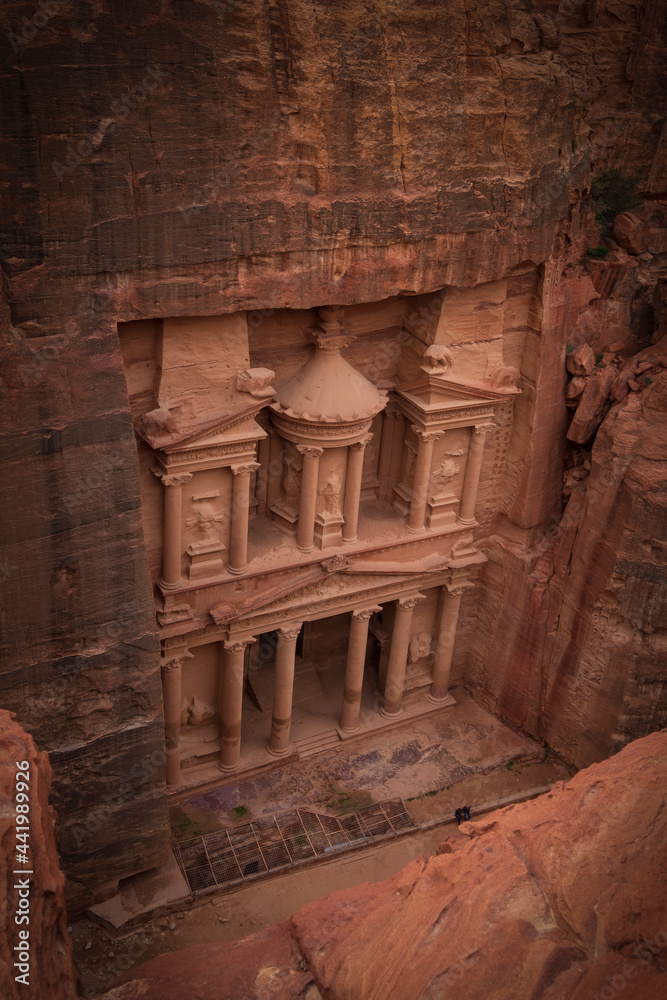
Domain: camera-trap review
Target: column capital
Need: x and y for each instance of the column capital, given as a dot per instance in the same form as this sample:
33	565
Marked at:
247	469
360	445
455	591
309	451
482	428
394	414
175	661
425	435
290	631
237	645
408	603
363	614
172	479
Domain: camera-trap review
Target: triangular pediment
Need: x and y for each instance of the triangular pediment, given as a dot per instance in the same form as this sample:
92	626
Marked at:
234	423
433	391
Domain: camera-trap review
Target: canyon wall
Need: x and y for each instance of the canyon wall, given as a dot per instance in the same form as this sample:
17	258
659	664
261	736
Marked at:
162	162
562	896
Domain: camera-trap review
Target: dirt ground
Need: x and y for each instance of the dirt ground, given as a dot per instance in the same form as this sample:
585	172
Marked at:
102	955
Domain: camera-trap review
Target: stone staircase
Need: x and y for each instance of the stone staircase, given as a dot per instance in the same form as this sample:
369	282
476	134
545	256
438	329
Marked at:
329	740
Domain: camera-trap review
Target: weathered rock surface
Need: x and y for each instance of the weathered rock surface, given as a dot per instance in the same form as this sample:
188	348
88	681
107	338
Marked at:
39	912
162	163
555	898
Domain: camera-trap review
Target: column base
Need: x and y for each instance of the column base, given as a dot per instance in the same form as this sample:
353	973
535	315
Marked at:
348	731
235	571
229	768
354	539
306	548
468	522
163	585
416	531
442	701
386	714
278	753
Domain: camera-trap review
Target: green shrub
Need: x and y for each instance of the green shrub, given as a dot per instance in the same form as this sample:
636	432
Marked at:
599	252
613	192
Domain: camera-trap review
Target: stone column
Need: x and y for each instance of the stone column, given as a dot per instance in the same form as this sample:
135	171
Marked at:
398	657
305	535
171	705
353	477
238	545
472	473
449	615
396	461
354	670
274	470
230	703
384	460
172	543
281	722
422	478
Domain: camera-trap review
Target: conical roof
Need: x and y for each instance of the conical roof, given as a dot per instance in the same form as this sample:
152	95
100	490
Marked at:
327	389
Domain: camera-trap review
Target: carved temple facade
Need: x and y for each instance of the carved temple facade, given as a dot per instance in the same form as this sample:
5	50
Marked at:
309	527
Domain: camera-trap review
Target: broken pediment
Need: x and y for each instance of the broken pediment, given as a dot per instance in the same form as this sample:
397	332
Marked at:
174	429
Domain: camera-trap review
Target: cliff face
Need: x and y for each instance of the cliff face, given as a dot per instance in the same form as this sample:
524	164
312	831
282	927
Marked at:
558	897
164	162
35	950
579	632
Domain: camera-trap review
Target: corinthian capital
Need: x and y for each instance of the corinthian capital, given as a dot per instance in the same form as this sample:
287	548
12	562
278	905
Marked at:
172	479
308	451
290	631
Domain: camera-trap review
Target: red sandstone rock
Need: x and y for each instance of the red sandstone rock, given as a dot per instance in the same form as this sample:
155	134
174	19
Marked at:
553	898
589	412
581	361
50	972
642	229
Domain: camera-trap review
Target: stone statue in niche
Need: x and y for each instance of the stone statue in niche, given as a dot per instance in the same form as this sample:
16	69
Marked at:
331	494
410	459
291	483
420	646
196	711
449	468
205	517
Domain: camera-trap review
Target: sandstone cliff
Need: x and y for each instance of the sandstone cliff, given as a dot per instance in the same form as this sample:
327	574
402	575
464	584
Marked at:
560	897
164	162
35	950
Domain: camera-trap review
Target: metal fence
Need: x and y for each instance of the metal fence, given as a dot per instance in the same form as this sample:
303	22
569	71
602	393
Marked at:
253	851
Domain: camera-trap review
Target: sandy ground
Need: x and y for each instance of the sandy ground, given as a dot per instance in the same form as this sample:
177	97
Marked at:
101	955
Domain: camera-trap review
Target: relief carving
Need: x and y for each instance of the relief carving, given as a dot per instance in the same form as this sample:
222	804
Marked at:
449	469
331	493
420	646
205	519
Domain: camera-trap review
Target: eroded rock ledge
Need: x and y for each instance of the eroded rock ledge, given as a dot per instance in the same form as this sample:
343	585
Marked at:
559	897
41	907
